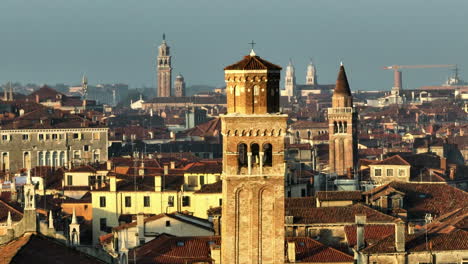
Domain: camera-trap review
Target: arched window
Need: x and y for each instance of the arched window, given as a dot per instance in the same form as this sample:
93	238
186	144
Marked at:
55	159
345	127
335	127
267	154
242	154
62	158
47	158
309	134
41	159
298	135
340	127
255	153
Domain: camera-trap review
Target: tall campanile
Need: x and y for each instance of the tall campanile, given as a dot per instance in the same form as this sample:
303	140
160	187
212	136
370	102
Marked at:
342	122
164	69
253	164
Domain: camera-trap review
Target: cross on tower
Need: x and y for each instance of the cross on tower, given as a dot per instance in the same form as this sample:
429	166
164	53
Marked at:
252	44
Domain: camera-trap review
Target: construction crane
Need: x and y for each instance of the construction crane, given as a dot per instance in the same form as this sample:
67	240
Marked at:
397	81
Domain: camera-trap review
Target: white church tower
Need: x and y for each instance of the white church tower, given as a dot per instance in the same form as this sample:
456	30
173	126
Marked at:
290	80
311	76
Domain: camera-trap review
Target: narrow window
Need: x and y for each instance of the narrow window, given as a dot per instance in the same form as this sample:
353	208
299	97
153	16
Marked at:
146	201
255	153
170	201
168	223
186	201
70	179
128	201
378	172
103	224
242	156
102	201
390	172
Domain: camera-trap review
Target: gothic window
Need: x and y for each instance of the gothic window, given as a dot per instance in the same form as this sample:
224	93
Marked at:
335	127
298	135
309	134
62	158
255	153
41	159
267	154
345	128
47	158
54	159
242	154
256	90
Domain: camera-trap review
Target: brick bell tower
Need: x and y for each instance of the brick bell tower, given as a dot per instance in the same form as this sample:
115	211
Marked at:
164	69
342	127
253	164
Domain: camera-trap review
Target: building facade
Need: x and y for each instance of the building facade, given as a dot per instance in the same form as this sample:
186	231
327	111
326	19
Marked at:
253	164
164	69
27	148
342	122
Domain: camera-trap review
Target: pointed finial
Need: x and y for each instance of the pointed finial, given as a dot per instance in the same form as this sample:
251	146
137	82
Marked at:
74	221
164	36
9	221
341	63
51	220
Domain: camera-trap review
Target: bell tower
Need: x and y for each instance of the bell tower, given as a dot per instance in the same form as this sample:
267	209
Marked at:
342	122
290	80
253	164
164	69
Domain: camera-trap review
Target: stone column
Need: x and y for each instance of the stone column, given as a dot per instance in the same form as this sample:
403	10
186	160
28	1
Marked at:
249	162
260	155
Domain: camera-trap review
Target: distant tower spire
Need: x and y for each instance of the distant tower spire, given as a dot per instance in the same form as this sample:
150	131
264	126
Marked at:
311	76
290	80
5	93
11	91
179	86
164	70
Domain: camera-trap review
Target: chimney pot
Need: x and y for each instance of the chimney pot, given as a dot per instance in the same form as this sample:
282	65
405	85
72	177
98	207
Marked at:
291	251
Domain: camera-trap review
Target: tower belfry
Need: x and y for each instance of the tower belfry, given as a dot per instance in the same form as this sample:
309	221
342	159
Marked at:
290	80
164	69
253	164
342	122
311	76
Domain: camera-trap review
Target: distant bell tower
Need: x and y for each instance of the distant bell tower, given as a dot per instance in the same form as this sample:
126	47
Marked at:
342	122
164	69
253	164
179	86
290	80
311	76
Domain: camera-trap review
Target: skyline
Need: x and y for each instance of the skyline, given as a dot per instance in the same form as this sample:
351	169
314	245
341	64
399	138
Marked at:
116	42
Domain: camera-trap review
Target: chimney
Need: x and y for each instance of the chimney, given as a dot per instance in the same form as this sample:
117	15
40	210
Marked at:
443	163
410	229
166	169
108	165
157	183
172	165
360	223
462	132
291	251
141	227
217	225
113	183
400	236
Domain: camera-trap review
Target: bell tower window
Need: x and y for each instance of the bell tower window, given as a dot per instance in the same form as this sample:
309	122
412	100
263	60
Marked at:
255	153
242	154
267	155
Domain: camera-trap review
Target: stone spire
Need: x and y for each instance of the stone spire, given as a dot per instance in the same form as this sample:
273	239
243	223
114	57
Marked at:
11	92
342	85
74	220
9	221
51	220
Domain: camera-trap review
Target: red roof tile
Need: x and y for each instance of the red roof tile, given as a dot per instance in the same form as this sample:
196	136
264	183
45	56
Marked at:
372	233
252	63
339	195
309	250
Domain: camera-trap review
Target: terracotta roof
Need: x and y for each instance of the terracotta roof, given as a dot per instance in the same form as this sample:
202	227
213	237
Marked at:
216	187
453	241
342	85
339	195
422	198
309	250
207	129
84	168
393	160
16	215
167	249
299	202
252	63
31	248
211	167
333	215
372	233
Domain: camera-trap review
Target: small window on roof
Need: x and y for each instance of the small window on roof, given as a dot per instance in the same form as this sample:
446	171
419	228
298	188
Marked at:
180	243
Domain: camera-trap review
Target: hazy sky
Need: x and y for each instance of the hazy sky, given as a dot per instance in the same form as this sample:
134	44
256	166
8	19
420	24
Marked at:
52	41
